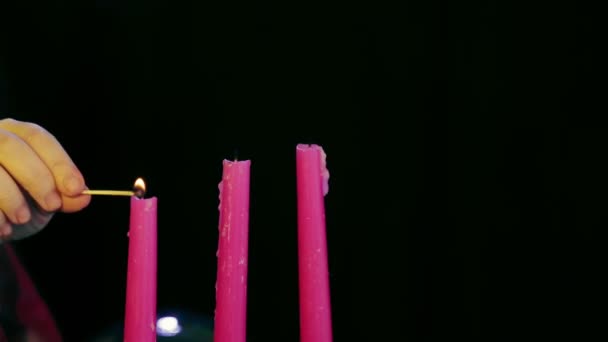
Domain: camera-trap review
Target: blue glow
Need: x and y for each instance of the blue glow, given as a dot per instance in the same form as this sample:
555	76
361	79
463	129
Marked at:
168	326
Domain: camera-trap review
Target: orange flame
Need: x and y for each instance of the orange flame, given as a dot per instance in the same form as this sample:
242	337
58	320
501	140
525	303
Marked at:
139	185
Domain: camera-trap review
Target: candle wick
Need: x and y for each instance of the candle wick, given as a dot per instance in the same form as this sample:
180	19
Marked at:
236	155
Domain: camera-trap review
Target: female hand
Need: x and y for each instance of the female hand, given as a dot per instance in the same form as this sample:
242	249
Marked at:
37	178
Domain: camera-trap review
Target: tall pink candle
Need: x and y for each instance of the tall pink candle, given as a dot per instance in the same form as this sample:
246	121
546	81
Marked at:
312	186
140	311
231	286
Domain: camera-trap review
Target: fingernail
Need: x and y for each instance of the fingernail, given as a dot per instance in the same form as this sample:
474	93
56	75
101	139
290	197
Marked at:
72	184
53	201
23	215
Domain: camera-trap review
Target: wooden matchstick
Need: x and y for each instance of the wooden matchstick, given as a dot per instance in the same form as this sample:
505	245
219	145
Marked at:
109	192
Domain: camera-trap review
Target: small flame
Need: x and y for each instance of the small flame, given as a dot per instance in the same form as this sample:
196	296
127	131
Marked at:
139	188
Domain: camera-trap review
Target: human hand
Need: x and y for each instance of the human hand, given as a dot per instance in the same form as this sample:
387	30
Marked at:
37	178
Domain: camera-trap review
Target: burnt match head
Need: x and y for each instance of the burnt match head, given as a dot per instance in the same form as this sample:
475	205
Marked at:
139	188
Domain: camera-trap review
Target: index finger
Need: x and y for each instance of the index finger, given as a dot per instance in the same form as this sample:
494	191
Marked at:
67	177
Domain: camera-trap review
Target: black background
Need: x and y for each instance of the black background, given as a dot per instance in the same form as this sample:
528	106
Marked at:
467	183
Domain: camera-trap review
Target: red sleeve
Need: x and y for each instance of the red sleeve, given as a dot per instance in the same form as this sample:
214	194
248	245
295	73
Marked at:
32	312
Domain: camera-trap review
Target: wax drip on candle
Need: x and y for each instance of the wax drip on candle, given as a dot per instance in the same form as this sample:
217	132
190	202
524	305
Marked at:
139	188
220	187
324	171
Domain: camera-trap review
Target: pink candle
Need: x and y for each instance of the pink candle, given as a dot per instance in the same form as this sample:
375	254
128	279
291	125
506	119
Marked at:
312	186
140	311
231	286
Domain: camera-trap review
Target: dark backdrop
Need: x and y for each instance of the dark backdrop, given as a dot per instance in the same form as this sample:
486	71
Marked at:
466	190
